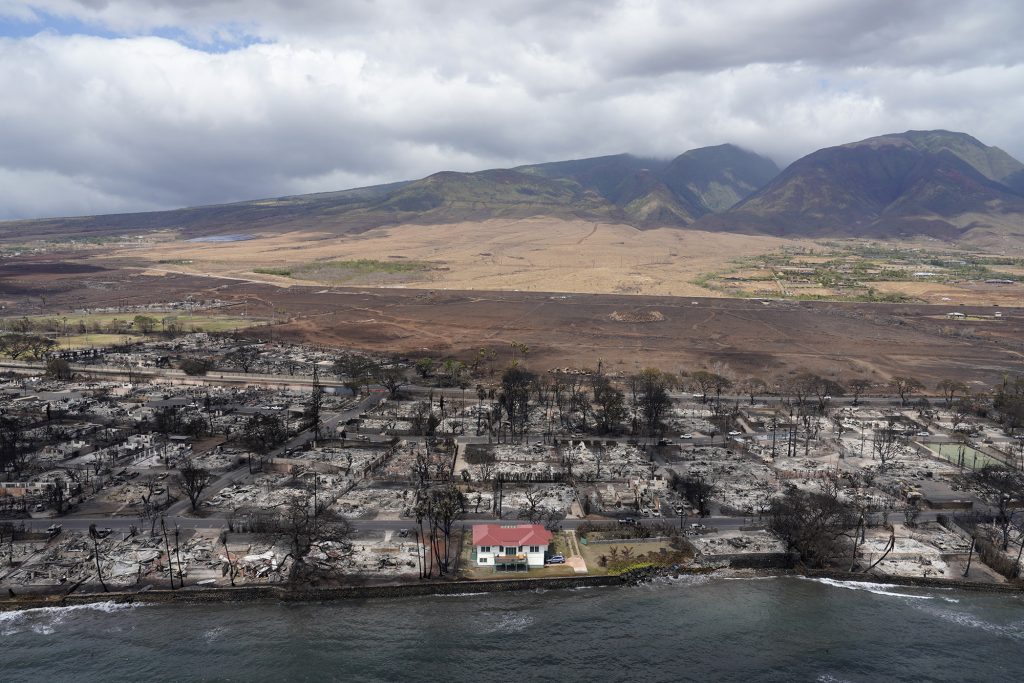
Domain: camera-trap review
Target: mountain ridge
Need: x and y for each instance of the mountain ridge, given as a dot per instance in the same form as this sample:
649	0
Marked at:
932	183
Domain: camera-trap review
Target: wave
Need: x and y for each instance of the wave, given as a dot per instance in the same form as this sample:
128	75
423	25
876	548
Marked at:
876	588
967	620
511	623
43	620
458	595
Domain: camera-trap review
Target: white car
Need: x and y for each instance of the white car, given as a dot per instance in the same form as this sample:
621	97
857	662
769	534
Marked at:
686	436
735	433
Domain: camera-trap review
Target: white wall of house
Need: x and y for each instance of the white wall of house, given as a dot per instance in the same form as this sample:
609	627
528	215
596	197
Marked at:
485	554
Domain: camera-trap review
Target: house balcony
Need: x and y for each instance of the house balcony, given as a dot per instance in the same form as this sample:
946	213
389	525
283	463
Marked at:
511	563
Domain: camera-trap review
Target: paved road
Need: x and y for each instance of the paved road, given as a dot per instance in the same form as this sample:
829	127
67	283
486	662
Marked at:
364	526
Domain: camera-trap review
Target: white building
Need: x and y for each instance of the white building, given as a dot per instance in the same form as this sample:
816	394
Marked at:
514	547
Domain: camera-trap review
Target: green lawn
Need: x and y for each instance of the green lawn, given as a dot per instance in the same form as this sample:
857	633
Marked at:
185	322
85	341
345	270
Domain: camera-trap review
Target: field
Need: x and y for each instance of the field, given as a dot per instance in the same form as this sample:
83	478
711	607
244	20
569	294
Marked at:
85	341
767	338
184	321
865	271
581	256
533	254
336	272
972	457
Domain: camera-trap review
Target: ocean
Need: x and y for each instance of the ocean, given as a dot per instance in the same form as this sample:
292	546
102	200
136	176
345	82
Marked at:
689	629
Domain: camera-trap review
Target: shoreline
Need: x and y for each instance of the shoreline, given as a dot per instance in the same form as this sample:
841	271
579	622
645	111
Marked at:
281	594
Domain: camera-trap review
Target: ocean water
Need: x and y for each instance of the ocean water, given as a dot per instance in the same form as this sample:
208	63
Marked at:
691	629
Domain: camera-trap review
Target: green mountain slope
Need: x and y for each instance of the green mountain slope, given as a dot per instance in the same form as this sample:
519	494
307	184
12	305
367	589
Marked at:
937	183
653	192
931	183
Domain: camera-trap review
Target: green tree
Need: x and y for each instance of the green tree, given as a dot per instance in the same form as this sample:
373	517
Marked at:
58	368
263	433
651	400
390	377
816	525
609	405
515	398
1009	402
145	324
425	367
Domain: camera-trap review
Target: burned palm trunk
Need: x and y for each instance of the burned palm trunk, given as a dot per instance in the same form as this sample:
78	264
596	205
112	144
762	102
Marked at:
167	549
970	555
94	535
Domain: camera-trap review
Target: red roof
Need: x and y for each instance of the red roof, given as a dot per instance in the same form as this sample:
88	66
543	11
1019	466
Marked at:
518	534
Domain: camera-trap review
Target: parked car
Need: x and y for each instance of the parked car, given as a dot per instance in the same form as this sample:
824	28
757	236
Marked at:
735	433
555	559
686	436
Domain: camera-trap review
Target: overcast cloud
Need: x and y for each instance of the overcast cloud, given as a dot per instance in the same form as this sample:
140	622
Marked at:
118	105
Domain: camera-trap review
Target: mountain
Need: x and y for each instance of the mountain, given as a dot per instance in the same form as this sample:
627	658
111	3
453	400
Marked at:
717	178
440	198
652	192
621	188
449	197
933	183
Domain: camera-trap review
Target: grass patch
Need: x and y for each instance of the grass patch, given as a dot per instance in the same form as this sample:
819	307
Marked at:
116	325
85	341
367	266
283	272
343	271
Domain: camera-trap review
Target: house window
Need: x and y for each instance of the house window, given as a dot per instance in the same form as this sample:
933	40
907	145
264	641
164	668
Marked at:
534	548
485	548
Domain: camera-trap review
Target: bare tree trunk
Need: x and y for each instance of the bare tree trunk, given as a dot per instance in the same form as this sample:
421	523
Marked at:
1016	566
970	556
888	549
856	537
227	554
167	549
177	553
99	571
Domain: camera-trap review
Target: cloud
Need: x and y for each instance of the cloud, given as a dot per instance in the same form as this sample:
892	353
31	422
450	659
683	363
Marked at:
111	105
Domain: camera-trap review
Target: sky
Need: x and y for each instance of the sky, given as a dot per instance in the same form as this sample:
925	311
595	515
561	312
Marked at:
131	105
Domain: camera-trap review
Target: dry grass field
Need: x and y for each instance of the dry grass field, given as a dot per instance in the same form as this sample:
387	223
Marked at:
539	254
576	256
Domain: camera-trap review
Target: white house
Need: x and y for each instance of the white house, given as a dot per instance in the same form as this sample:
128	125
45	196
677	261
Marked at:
512	547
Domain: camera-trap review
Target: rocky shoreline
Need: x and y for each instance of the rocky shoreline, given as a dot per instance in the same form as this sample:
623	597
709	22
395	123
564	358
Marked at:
400	590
